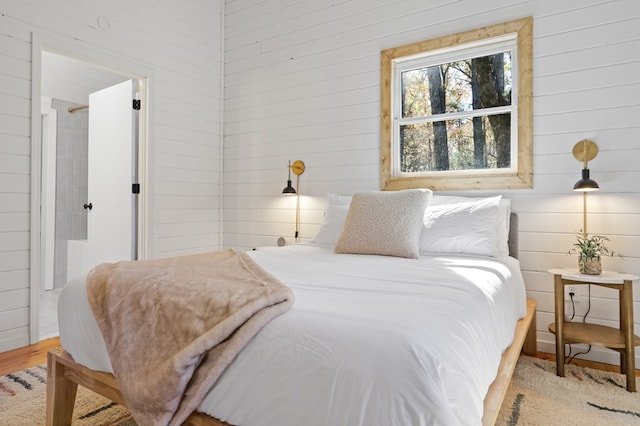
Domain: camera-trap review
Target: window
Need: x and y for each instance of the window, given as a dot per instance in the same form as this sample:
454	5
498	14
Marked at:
456	111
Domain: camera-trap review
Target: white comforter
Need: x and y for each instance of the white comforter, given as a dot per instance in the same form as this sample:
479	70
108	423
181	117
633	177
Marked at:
370	340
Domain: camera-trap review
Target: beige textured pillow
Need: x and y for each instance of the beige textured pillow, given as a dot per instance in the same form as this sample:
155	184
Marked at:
384	223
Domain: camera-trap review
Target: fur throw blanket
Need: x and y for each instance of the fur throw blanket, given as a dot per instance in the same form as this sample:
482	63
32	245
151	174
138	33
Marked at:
171	326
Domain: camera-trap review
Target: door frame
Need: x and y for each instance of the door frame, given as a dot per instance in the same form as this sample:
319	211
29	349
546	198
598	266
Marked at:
95	56
48	195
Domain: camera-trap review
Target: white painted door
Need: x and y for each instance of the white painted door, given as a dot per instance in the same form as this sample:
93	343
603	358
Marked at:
111	227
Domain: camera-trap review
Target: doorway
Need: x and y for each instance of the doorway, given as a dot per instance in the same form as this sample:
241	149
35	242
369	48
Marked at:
66	85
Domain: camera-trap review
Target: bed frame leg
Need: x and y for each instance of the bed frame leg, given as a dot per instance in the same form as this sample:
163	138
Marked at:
530	346
61	393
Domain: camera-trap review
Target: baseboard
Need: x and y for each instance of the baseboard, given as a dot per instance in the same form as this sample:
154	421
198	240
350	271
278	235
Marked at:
14	338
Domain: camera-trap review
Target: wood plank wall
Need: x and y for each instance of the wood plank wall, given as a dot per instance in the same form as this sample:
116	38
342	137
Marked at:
178	47
302	82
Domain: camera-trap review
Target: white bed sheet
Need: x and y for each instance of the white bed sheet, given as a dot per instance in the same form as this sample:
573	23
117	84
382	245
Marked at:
370	340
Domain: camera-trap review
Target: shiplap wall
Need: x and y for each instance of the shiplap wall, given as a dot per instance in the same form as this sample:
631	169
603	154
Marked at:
302	82
176	45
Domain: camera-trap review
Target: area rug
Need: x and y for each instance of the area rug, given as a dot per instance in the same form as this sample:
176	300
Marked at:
23	395
585	397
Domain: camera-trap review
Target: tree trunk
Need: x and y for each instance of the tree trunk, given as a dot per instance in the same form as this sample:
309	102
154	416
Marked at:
490	72
479	139
438	106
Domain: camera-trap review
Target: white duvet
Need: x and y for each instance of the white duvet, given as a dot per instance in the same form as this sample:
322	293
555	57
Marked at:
370	340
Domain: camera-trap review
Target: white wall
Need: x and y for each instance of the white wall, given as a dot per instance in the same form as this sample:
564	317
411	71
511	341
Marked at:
179	49
302	82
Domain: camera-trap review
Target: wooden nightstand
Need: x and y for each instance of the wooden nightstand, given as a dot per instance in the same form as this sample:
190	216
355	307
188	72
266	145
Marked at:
622	340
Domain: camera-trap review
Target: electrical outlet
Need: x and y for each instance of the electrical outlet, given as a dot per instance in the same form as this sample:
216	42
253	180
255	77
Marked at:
568	289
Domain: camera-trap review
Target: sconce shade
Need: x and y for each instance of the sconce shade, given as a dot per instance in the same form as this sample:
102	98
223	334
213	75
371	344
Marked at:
586	184
289	189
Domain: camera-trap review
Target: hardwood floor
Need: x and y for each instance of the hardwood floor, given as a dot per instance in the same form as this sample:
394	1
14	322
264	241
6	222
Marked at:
28	356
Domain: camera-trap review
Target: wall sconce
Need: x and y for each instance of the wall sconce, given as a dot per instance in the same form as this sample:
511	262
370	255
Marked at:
289	189
585	151
297	168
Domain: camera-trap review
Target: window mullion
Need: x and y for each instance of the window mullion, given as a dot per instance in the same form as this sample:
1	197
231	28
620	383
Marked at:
455	115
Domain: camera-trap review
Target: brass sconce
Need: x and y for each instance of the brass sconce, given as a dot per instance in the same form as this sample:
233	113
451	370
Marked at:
585	151
297	168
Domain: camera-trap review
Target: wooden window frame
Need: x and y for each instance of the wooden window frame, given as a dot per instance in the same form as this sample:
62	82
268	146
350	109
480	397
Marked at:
522	178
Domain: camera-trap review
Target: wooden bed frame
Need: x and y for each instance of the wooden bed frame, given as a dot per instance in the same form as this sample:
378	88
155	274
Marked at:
64	375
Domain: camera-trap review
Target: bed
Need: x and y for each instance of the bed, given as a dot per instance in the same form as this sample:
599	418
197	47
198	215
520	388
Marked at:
372	339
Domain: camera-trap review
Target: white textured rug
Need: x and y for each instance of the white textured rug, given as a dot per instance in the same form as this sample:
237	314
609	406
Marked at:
584	397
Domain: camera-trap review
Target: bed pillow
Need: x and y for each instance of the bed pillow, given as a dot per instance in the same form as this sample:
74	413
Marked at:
338	200
504	216
334	218
469	227
385	223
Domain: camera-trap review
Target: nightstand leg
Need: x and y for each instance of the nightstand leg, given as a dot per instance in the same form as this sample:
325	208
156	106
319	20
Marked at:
623	327
558	291
626	325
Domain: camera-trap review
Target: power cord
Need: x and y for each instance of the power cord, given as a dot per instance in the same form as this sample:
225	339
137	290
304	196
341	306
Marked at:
570	357
573	306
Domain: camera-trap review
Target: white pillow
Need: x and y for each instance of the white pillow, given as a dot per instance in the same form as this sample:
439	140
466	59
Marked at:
469	227
384	223
338	200
504	216
334	218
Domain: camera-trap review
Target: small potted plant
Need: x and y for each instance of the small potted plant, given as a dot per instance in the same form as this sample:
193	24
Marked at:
590	248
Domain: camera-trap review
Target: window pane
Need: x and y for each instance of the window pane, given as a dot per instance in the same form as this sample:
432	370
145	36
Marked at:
460	144
466	85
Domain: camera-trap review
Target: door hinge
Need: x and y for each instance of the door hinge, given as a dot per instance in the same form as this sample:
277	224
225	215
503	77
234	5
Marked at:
136	104
135	188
